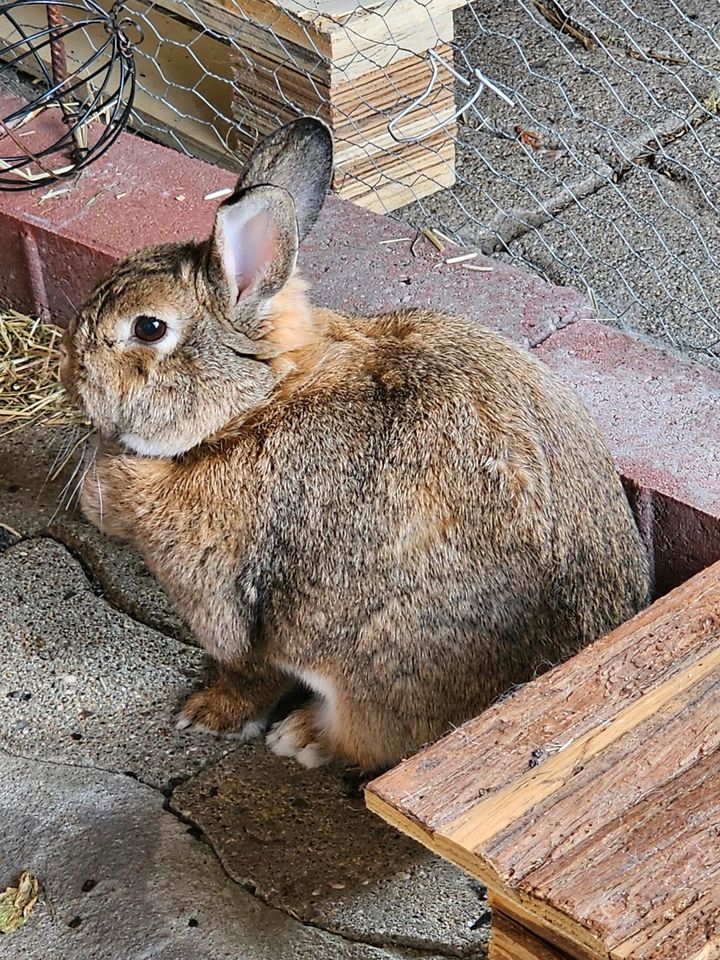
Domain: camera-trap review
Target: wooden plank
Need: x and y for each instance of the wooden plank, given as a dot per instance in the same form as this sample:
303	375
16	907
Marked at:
559	707
372	168
589	801
268	89
354	42
178	100
188	77
512	941
537	916
648	879
409	174
492	815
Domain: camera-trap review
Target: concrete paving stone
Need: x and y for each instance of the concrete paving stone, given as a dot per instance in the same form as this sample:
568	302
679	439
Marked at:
31	504
588	108
648	250
123	879
659	414
351	270
304	842
85	684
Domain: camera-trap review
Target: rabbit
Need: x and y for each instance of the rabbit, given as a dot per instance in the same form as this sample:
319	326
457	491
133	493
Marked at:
405	513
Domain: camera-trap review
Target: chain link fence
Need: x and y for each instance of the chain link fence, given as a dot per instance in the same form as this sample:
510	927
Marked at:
578	139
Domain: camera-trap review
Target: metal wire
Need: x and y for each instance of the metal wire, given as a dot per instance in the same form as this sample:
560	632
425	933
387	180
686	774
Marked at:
595	161
94	94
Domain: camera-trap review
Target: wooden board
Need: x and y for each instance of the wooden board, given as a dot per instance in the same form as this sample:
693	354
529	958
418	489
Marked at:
354	39
191	82
589	800
372	168
179	101
512	941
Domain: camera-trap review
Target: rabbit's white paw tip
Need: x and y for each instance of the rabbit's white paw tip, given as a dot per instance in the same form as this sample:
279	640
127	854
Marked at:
252	730
289	738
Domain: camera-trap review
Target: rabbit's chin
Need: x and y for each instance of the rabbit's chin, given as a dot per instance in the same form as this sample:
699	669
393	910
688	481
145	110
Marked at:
161	447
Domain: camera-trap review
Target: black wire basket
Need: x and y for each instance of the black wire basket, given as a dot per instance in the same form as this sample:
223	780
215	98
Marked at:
75	65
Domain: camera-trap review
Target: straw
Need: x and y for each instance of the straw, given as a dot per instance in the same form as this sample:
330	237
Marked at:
30	391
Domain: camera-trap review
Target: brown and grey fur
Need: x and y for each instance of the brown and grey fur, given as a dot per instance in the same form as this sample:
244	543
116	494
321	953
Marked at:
406	512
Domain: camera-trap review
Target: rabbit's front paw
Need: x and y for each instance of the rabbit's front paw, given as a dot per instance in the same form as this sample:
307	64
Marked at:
295	736
217	710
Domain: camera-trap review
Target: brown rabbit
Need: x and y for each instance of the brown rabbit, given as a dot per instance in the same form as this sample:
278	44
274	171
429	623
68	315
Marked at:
404	512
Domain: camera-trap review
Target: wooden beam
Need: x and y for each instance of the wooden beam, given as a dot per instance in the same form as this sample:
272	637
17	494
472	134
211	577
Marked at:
512	941
214	92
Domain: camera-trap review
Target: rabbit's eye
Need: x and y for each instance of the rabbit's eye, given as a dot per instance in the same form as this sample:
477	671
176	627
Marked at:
150	329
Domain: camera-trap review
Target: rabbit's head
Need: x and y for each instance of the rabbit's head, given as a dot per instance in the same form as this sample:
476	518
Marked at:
174	344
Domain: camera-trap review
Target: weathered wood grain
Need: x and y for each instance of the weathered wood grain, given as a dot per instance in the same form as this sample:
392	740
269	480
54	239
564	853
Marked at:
372	168
441	783
589	800
511	941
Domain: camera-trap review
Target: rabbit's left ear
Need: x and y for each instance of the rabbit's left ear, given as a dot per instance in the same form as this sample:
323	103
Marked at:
299	158
253	247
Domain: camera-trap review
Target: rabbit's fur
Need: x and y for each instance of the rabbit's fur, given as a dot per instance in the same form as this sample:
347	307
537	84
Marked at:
405	512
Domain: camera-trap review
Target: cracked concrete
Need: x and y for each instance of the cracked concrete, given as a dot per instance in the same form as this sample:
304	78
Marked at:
34	503
153	843
303	841
122	879
85	684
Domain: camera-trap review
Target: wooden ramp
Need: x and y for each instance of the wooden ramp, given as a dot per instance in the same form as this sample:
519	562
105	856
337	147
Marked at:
215	75
588	802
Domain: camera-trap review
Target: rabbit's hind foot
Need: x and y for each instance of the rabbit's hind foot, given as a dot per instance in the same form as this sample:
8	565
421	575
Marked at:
296	737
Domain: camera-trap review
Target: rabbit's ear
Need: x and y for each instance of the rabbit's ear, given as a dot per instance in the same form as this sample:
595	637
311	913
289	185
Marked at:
253	247
299	158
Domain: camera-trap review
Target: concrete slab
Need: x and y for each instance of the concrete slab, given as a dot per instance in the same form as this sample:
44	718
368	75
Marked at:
585	112
122	879
304	842
32	503
85	684
647	248
670	445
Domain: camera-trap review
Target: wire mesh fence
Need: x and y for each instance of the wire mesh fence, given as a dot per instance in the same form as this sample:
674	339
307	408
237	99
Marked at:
577	138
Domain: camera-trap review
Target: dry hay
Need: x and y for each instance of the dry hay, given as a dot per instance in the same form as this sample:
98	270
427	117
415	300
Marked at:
30	389
17	903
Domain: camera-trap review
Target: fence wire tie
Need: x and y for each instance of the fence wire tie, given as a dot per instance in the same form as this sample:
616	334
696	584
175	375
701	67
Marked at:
435	59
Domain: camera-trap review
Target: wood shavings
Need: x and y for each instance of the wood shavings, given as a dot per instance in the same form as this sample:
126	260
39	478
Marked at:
462	258
216	194
433	238
446	238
